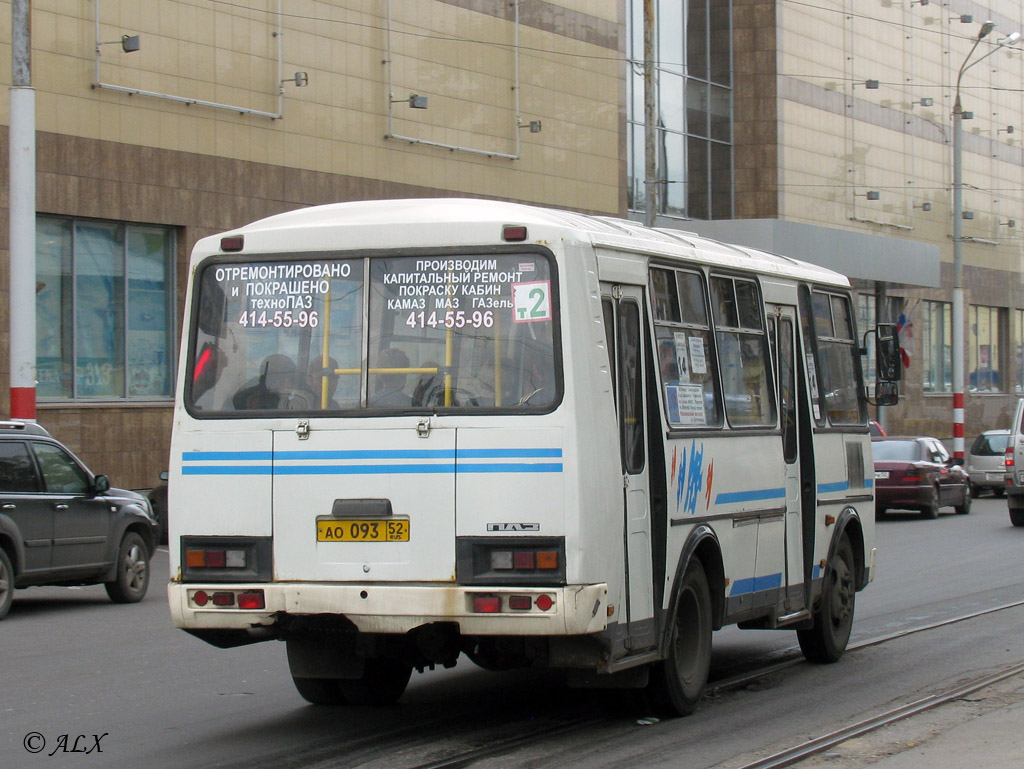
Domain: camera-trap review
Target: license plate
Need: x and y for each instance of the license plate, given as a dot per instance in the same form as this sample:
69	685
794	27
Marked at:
355	530
881	474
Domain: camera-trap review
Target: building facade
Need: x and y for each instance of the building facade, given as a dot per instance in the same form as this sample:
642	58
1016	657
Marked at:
821	130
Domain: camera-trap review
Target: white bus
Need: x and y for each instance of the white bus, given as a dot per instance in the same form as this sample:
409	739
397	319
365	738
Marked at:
407	430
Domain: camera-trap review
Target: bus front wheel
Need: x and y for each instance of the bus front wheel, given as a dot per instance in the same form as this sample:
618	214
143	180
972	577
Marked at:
677	683
833	619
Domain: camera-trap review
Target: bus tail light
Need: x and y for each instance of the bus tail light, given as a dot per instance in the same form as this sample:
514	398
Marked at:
486	604
226	559
536	561
517	602
228	599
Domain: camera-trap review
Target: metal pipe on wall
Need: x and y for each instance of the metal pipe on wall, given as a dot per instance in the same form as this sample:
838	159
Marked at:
22	212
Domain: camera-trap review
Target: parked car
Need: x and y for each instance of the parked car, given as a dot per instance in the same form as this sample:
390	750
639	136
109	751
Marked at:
918	473
158	501
62	525
986	462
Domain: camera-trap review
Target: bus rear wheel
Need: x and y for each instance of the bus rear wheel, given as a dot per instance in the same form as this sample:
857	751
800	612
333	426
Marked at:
382	683
319	691
677	683
833	619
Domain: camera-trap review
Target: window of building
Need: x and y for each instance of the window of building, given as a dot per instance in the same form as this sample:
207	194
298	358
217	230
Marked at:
694	106
104	310
937	347
985	336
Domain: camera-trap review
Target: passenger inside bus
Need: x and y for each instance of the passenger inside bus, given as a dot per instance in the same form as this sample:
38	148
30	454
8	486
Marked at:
275	386
315	383
389	387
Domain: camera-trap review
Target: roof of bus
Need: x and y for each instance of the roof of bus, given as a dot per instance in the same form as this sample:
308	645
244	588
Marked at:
433	217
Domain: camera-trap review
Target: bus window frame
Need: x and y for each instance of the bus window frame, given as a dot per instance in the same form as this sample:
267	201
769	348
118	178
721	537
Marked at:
710	351
366	256
766	352
808	330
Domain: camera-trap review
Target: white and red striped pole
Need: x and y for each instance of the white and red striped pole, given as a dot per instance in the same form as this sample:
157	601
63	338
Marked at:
22	247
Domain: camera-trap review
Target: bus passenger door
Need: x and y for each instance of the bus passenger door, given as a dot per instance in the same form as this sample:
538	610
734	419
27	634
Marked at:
789	377
628	363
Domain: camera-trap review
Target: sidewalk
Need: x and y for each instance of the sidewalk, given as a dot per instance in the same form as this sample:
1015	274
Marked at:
984	730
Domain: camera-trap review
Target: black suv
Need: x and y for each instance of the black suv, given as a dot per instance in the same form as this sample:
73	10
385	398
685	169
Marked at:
62	525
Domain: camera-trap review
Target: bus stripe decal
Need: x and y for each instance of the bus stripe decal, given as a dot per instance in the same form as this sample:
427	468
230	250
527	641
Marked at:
756	495
826	488
756	584
348	462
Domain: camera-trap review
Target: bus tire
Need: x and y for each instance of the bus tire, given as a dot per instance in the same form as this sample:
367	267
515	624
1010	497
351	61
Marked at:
319	691
677	683
833	618
382	683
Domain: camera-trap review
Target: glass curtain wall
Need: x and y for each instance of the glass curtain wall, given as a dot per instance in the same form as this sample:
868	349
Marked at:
693	57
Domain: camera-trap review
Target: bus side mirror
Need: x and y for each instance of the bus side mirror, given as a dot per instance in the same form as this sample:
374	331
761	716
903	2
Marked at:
887	353
886	393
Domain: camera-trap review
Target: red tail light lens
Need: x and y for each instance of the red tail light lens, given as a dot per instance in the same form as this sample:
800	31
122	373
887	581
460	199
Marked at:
486	604
253	599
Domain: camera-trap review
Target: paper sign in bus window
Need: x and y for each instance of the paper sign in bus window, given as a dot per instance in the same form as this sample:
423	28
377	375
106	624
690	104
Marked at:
682	359
531	301
698	361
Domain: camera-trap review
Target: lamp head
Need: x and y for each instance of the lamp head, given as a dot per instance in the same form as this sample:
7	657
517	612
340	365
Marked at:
987	27
1010	39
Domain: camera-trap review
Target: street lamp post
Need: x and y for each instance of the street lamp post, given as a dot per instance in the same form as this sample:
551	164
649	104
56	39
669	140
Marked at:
958	258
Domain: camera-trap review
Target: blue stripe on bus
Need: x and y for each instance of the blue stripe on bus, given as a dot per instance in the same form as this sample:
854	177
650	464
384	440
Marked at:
217	456
507	453
268	463
756	584
755	495
827	488
507	467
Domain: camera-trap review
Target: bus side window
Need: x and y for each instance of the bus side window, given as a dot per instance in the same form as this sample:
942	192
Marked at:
631	387
686	366
840	360
743	352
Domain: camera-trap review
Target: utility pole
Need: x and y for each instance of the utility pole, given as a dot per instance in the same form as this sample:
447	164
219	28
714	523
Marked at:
22	248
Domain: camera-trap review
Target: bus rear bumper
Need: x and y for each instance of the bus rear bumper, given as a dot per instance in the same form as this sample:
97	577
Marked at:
395	609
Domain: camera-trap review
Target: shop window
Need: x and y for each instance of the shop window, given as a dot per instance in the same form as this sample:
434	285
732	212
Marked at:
104	310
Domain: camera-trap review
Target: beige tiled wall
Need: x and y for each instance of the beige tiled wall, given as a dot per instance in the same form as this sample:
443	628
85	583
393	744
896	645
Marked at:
202	170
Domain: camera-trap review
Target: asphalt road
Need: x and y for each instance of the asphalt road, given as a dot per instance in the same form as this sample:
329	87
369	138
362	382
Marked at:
136	692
